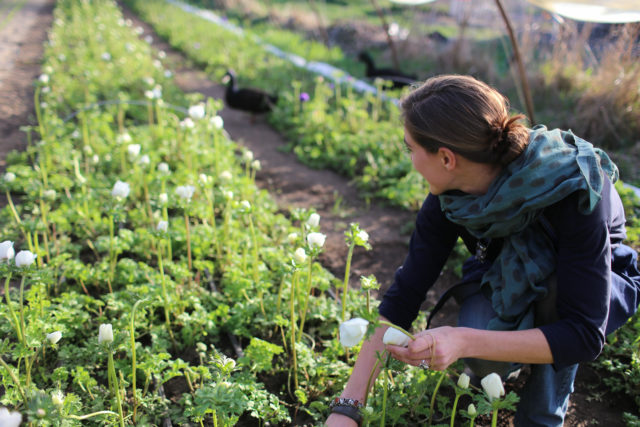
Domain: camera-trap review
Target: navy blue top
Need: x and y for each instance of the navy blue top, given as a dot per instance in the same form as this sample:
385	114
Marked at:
597	275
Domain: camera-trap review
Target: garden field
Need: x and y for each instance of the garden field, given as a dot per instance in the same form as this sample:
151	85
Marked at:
167	260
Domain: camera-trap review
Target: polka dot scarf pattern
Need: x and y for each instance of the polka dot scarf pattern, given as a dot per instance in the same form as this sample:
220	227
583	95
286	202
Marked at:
554	165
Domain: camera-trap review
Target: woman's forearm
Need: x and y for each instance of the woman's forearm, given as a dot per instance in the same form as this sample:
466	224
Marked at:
356	387
528	346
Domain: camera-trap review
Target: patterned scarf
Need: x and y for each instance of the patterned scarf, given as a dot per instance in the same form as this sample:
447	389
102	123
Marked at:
554	165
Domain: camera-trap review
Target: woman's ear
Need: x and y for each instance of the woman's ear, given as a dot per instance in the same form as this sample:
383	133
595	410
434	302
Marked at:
447	158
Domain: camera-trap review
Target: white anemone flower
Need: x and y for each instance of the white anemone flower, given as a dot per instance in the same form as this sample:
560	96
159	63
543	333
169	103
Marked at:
245	205
314	220
9	177
185	192
123	138
54	337
228	194
292	238
394	336
247	156
316	240
196	112
226	176
6	250
256	165
163	168
300	256
203	179
363	236
187	123
492	385
120	190
352	331
44	78
217	122
105	333
57	397
25	258
106	56
10	419
144	160
163	198
163	226
133	150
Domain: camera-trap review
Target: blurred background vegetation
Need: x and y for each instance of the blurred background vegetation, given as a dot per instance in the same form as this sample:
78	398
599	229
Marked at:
582	76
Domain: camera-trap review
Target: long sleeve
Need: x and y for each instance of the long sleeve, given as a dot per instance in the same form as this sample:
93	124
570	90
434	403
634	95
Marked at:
431	244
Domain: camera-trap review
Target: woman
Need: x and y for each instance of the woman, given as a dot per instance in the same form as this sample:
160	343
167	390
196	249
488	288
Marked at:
550	276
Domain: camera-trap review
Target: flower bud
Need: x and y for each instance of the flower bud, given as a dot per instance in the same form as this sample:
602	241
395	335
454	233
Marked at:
163	198
245	205
6	250
105	333
196	111
352	331
247	156
203	178
463	380
362	236
144	160
217	122
123	138
316	240
300	256
25	258
492	385
57	397
163	168
9	177
314	220
133	150
54	337
163	226
225	176
292	238
185	192
120	190
472	410
394	336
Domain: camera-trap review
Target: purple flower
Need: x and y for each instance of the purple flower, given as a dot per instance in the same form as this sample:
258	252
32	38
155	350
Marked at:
304	97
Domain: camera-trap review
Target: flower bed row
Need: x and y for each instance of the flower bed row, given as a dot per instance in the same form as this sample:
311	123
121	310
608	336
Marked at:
147	278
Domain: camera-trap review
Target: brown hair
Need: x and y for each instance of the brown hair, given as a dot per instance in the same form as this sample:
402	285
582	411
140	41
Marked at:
465	115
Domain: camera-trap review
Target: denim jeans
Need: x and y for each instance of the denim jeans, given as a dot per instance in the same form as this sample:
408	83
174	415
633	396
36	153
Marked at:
545	397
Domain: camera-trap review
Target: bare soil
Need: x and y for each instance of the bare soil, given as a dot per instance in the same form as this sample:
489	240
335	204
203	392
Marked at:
291	183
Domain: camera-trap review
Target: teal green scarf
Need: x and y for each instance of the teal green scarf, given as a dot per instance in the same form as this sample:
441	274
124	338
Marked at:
554	165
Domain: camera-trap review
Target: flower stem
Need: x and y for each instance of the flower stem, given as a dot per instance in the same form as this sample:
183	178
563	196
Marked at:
165	296
435	393
132	331
115	387
345	285
494	418
453	411
112	255
303	315
14	318
385	392
186	224
256	260
294	281
22	324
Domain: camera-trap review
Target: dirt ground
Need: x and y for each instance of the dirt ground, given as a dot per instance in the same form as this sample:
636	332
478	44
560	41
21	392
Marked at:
291	183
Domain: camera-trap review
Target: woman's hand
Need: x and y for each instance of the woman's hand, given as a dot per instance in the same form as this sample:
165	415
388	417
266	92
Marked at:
337	420
438	348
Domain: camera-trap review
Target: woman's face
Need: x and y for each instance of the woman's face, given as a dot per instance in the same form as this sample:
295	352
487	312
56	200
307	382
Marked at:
429	165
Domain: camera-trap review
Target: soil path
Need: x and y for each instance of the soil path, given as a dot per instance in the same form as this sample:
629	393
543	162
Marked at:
22	34
291	183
